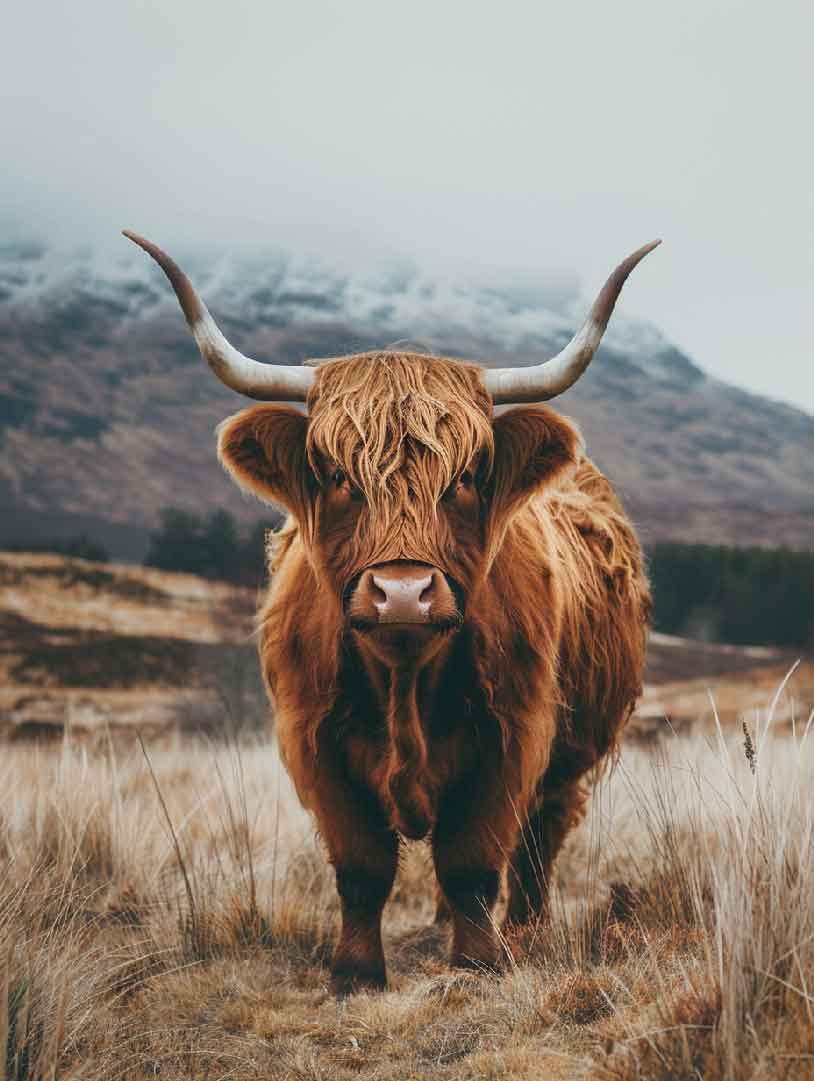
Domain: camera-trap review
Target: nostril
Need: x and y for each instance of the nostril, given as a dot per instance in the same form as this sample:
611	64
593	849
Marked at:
427	594
381	592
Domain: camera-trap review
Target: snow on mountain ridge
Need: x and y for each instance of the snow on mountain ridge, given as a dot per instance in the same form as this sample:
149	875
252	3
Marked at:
121	427
394	300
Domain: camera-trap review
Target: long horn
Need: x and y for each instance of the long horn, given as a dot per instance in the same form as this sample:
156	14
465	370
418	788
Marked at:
265	382
544	381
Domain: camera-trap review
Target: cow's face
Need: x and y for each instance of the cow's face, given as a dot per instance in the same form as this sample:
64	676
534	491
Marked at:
402	486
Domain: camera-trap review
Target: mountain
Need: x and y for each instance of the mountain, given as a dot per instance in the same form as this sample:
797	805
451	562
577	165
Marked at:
107	412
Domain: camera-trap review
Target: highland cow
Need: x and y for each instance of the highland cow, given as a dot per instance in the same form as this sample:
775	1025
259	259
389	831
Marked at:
454	634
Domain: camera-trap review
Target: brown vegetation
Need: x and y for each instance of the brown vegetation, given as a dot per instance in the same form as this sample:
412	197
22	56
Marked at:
174	918
89	646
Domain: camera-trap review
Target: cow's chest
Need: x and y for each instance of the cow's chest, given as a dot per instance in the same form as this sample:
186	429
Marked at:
452	750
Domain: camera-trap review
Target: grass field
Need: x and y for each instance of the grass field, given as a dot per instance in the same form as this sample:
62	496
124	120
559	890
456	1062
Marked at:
170	913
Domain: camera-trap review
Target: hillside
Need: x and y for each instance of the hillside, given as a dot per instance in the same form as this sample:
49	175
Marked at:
90	645
107	412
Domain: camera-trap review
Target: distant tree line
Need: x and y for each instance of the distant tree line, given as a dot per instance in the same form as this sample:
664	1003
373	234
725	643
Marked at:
80	547
745	596
212	546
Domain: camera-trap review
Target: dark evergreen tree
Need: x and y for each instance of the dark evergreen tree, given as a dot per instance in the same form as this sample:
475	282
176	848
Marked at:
176	545
213	547
220	554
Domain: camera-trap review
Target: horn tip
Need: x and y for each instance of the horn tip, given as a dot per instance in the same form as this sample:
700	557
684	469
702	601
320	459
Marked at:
632	260
647	248
136	238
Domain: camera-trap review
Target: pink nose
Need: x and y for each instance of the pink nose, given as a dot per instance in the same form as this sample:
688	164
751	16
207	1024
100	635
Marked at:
402	592
402	599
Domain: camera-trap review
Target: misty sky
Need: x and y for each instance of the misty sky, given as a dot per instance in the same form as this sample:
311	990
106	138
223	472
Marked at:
486	140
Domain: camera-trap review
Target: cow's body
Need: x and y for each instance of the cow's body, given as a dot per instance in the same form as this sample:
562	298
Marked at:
551	657
454	633
496	732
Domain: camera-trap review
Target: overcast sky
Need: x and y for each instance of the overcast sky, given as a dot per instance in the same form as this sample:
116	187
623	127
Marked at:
483	139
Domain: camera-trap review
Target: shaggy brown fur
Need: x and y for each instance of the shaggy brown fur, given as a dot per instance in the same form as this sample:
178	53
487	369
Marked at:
486	739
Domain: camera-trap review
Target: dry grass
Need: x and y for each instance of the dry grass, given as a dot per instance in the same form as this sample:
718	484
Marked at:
172	917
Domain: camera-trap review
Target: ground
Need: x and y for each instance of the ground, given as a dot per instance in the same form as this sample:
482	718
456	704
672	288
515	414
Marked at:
166	909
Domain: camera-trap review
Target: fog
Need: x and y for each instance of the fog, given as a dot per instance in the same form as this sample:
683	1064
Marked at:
490	141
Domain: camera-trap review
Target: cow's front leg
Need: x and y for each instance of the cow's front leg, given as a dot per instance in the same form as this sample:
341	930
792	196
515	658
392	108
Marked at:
364	852
363	880
477	829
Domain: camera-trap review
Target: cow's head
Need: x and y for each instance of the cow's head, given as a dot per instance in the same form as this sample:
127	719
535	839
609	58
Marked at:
400	480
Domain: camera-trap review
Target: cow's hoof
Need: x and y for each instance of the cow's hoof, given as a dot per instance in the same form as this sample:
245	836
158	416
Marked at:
346	981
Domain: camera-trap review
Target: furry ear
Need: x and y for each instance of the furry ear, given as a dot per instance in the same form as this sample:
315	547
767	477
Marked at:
263	448
533	447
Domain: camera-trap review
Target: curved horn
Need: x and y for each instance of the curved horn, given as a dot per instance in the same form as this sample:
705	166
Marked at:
544	381
265	382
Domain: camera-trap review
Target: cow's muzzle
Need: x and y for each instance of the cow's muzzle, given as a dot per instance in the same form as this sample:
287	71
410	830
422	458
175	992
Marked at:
402	594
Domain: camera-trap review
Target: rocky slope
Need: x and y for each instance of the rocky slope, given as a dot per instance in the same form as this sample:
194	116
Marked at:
107	413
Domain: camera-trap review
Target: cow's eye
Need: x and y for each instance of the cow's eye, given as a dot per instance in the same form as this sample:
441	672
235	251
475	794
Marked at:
341	483
463	483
